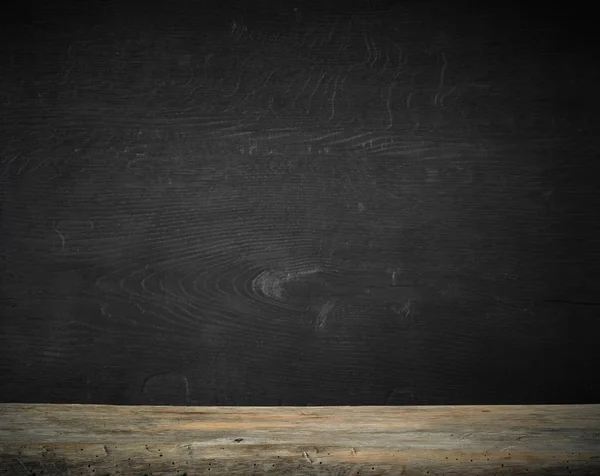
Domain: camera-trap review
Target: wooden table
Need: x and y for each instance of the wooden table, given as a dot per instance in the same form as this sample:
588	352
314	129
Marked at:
159	440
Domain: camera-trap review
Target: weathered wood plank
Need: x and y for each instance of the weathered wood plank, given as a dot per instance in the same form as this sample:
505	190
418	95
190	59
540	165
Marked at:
482	440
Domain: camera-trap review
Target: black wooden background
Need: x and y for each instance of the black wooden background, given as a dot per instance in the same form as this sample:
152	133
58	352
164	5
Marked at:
296	204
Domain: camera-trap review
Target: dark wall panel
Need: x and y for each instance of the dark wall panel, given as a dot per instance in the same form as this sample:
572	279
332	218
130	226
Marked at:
231	207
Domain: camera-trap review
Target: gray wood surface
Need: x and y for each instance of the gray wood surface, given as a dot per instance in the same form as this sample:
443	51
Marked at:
248	208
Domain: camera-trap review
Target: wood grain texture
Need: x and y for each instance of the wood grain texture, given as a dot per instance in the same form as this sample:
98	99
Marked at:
230	210
468	440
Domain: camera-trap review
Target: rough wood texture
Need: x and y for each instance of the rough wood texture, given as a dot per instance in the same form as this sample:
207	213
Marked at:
291	203
468	440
